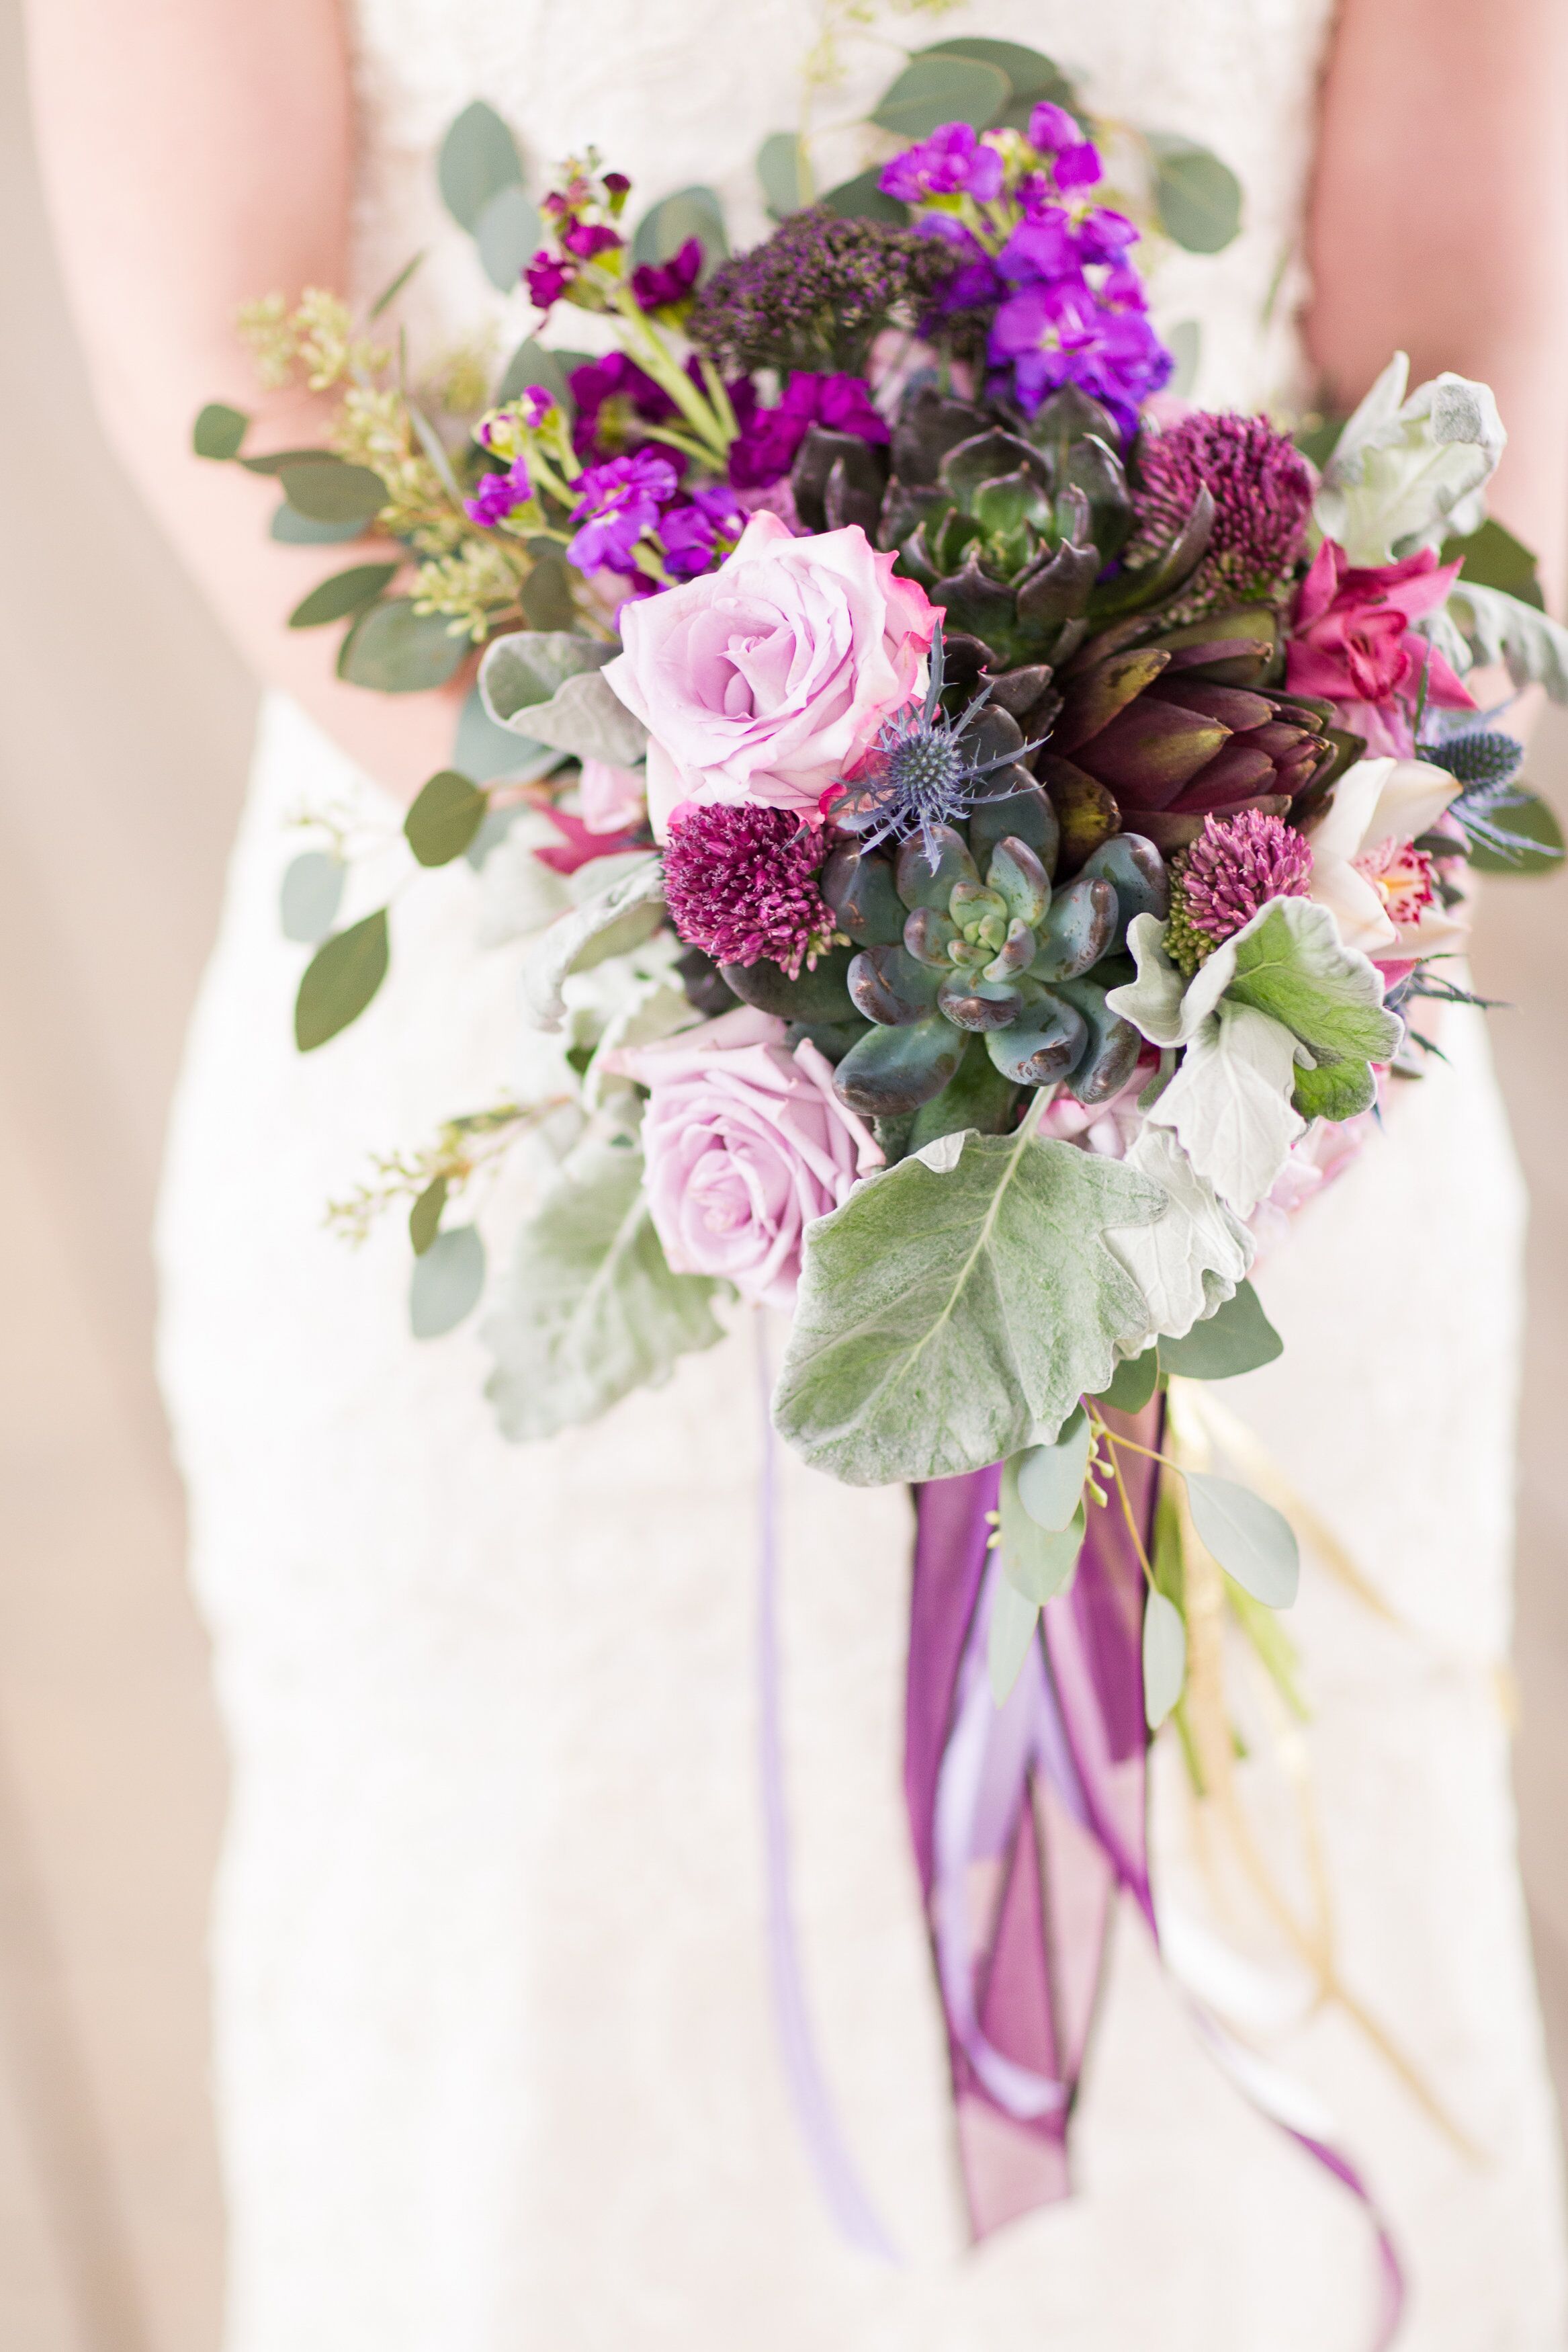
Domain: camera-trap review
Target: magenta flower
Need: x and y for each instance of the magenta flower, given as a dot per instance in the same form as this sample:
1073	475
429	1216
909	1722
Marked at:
547	279
746	1144
1056	133
617	503
660	287
498	495
1236	866
586	238
768	444
954	160
739	884
1352	640
700	531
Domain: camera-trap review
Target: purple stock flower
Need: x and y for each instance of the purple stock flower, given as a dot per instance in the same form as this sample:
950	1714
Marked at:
547	279
585	238
700	531
617	503
614	377
767	446
660	286
954	160
497	494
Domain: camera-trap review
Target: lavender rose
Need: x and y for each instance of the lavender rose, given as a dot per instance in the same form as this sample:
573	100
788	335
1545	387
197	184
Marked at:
746	1143
766	679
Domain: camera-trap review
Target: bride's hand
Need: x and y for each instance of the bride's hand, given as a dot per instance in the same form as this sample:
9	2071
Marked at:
197	154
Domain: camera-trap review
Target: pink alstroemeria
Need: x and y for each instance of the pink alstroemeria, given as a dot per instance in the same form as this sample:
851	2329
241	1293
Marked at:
1352	641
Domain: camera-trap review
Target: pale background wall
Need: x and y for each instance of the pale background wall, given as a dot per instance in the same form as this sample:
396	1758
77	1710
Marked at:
120	779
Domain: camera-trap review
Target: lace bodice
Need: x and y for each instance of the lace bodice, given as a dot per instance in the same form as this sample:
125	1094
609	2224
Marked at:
677	91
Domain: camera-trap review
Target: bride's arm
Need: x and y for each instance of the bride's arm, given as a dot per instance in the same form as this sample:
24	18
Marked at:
1439	224
197	153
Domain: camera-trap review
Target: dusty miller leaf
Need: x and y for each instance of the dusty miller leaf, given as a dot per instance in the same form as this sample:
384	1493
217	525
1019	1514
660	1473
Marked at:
1497	628
627	911
1191	1259
946	1320
1230	1106
590	1308
446	1281
1405	471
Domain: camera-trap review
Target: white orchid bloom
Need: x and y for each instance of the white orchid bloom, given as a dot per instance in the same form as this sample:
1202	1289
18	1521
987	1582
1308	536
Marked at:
1377	890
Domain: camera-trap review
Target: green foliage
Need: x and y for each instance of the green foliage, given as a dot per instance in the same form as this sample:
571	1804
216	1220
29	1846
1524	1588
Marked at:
523	671
445	817
665	229
478	159
345	593
1030	77
1237	1337
446	1281
1493	558
590	1308
531	363
508	232
392	649
938	86
1198	197
394	287
324	490
310	895
626	911
1165	1657
951	1315
340	981
784	172
1248	1537
1136	1381
293	530
1049	1479
425	1216
1037	1562
546	594
1012	1629
219	431
1339	1090
862	199
486	751
1532	832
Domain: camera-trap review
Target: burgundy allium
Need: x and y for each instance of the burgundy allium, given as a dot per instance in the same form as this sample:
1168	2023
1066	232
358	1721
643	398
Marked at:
660	286
1233	868
1263	491
817	294
739	884
616	504
496	495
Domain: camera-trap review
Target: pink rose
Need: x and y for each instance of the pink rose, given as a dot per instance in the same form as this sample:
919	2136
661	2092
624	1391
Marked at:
612	798
746	1143
766	679
1352	641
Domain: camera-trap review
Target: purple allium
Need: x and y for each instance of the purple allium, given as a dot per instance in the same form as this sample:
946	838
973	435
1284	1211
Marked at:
739	884
496	495
1233	869
662	286
700	531
817	294
954	160
765	449
1262	489
617	503
547	279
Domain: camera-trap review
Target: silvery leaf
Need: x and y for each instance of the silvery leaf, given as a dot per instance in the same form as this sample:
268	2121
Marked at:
1049	1479
1190	1261
1289	961
1165	1657
524	670
586	718
1248	1537
1496	627
942	1316
1011	1630
1230	1106
1402	480
1035	1562
620	917
589	1308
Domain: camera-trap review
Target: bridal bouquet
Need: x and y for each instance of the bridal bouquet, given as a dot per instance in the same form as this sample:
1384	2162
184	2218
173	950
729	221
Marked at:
987	832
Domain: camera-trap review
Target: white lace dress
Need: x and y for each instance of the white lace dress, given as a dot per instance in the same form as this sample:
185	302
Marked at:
495	2066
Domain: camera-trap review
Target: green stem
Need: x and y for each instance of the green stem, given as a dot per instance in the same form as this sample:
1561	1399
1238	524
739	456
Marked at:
673	378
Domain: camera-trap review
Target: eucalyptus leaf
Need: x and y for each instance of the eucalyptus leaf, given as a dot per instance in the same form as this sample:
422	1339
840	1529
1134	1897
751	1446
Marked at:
1184	343
1249	1538
508	233
345	593
589	1308
311	894
531	363
325	489
446	1281
292	530
934	89
395	650
1037	1562
861	198
1165	1657
1008	1637
620	916
219	431
1032	77
340	981
425	1217
690	212
488	752
784	171
1049	1479
1237	1337
444	817
1134	1383
949	1316
478	159
1198	197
